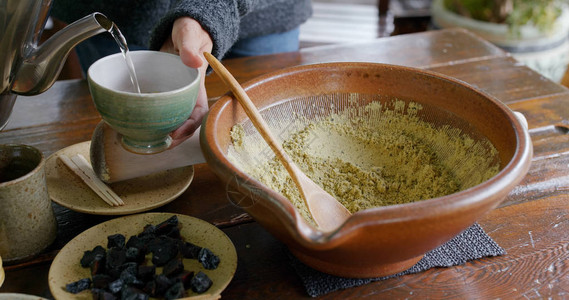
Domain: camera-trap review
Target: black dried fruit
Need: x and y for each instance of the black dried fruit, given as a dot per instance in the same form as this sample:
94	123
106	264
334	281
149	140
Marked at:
131	293
140	242
116	257
149	230
131	280
200	283
101	281
101	294
175	291
128	276
135	242
115	272
189	250
146	273
185	278
150	288
97	266
160	241
115	240
134	255
164	251
90	255
174	233
166	226
78	286
173	267
208	260
163	283
130	267
116	286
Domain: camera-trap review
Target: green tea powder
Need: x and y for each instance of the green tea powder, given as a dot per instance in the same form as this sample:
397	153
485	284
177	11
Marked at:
370	156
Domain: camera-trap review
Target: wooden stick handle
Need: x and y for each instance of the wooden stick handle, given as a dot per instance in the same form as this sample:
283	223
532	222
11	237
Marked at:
252	113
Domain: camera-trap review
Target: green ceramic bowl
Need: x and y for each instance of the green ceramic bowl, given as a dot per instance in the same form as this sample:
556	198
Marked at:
168	95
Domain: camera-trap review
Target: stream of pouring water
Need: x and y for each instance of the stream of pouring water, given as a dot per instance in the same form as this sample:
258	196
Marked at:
121	41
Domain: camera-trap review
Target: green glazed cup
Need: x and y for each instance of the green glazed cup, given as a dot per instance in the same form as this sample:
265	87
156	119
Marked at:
168	95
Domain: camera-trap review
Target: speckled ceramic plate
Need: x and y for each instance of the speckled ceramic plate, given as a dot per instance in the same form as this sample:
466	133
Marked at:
12	296
139	194
2	275
66	267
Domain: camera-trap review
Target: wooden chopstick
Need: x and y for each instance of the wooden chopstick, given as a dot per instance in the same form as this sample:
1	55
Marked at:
79	165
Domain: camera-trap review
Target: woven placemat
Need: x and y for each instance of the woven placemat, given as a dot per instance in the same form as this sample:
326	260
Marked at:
471	244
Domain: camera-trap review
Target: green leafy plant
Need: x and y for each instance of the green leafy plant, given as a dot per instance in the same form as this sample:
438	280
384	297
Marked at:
515	13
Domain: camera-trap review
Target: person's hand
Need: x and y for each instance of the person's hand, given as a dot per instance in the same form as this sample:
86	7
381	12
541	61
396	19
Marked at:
190	40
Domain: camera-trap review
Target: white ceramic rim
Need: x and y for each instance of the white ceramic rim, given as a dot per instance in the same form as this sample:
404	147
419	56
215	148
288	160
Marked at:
133	54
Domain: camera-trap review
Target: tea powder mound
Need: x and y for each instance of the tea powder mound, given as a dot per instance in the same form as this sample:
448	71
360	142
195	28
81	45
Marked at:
369	156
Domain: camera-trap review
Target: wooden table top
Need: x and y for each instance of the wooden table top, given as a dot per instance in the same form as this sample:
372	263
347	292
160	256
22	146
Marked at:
532	224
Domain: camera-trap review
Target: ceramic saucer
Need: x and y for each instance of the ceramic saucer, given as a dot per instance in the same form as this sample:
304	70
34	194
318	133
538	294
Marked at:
2	274
139	194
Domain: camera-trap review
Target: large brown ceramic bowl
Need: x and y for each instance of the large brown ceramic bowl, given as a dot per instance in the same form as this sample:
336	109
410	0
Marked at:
383	240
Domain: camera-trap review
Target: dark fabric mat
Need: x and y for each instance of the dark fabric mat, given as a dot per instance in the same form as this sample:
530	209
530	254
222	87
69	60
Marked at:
471	244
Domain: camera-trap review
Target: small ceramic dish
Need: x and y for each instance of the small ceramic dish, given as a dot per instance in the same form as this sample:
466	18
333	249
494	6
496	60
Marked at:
139	194
66	267
2	274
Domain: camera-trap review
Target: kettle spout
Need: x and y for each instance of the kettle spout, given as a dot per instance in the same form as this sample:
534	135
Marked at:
41	65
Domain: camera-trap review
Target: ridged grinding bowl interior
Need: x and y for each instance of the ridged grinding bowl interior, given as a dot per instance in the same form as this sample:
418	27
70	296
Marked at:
383	240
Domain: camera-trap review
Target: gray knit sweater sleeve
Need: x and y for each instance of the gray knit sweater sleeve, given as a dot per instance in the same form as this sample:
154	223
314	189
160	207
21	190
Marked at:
149	23
220	18
228	20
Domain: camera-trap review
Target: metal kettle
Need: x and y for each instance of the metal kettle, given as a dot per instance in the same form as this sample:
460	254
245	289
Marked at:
26	67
